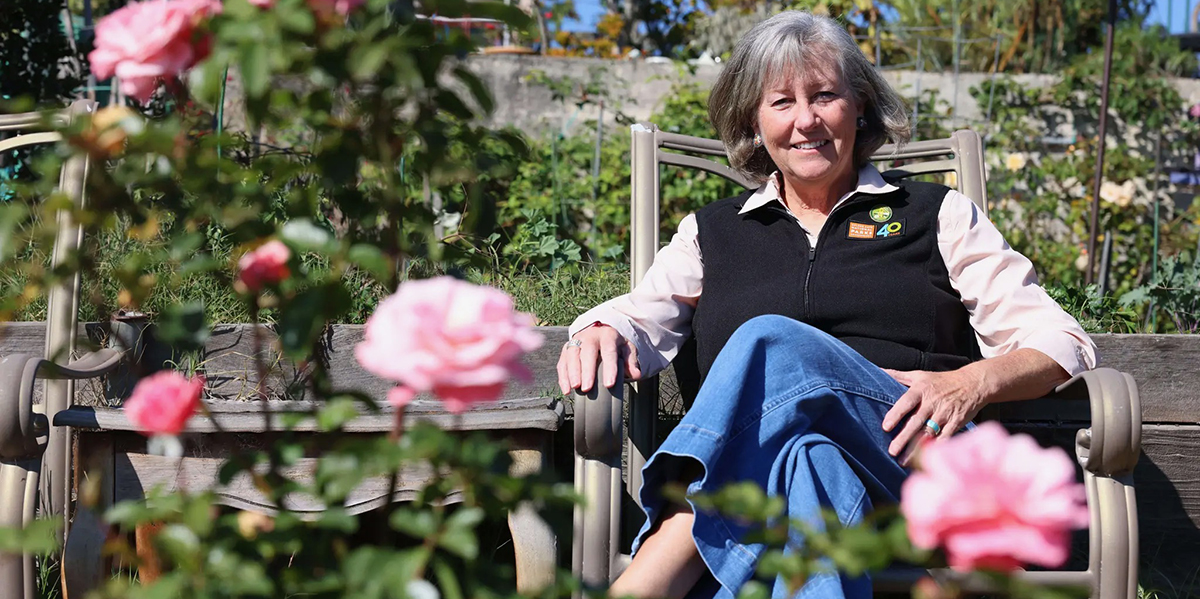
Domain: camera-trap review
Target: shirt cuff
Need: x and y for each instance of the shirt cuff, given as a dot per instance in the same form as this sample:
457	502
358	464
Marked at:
1070	352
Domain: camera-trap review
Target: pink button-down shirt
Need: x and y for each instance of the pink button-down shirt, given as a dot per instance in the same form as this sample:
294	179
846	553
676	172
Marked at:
1007	307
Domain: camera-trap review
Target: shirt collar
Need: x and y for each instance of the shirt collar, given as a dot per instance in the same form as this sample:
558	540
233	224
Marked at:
870	181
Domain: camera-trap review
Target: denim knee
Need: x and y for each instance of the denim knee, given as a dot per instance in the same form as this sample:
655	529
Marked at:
774	327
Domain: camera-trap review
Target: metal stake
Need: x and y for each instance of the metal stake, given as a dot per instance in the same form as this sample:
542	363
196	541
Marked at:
1095	222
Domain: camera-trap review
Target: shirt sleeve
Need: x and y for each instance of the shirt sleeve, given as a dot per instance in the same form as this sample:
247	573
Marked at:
998	285
657	315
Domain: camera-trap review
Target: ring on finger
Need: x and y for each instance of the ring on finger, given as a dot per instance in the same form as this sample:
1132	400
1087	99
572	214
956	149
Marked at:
573	343
933	428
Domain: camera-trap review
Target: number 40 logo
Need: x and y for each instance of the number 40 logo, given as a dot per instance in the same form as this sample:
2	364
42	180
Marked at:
889	229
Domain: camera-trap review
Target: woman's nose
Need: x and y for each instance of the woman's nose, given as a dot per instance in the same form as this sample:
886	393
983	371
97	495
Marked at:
806	118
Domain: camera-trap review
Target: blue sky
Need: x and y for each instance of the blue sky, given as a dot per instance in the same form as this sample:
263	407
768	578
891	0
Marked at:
591	10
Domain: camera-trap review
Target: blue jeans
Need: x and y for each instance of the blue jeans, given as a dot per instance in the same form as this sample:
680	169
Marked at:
798	412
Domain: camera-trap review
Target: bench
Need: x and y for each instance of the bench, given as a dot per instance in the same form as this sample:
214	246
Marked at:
1107	447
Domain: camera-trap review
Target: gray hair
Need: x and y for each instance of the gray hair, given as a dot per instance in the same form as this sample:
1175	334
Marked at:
783	44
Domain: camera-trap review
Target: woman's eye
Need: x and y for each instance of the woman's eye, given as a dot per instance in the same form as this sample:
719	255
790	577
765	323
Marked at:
781	101
825	96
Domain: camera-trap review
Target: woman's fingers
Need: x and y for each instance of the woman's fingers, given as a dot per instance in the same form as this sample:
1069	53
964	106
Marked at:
588	354
633	370
608	356
907	402
564	379
911	429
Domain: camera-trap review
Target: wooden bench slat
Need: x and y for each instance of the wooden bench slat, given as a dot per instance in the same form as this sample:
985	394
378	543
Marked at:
138	473
246	417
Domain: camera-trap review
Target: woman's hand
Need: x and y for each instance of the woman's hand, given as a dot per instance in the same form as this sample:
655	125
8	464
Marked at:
950	399
577	363
953	398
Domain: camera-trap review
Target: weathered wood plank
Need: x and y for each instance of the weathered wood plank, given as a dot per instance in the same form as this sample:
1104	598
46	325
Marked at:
246	417
1167	371
1163	365
137	473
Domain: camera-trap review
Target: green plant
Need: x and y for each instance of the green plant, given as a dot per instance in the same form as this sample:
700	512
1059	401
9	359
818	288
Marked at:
1096	313
1174	292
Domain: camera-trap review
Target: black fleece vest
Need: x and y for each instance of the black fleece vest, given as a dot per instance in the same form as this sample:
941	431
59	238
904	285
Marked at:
876	279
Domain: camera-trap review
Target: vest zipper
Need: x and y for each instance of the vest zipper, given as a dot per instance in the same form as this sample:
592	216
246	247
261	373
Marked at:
812	255
812	251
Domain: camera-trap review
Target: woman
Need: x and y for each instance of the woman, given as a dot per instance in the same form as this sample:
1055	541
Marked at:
842	315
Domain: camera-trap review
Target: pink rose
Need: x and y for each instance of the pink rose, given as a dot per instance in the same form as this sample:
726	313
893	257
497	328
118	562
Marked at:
143	42
327	7
462	342
162	402
994	501
1194	111
264	266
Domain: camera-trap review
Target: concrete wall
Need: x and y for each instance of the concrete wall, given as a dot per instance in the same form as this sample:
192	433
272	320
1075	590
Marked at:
640	87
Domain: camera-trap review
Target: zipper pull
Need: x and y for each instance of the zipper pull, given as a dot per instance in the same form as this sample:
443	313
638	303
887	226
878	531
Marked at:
812	254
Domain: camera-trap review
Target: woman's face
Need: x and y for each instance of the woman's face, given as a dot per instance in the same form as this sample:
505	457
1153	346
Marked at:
808	125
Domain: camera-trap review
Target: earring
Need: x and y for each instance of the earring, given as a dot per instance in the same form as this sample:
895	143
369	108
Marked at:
757	141
862	122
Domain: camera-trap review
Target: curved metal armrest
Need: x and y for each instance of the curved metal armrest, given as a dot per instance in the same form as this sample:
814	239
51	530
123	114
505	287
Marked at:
597	419
1111	446
23	431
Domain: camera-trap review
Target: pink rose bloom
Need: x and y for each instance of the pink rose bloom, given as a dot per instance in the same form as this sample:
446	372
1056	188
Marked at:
994	501
264	266
328	7
1194	111
162	402
143	42
462	342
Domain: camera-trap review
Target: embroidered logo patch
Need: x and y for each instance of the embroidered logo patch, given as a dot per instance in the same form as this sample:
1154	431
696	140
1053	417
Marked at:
881	214
881	231
861	231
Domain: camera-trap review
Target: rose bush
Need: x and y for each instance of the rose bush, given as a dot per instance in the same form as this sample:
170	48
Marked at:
338	94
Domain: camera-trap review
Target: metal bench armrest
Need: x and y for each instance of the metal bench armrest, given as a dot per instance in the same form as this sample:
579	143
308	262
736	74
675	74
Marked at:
23	430
1111	445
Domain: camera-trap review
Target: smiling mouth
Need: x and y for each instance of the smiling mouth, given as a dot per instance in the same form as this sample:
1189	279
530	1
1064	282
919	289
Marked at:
810	145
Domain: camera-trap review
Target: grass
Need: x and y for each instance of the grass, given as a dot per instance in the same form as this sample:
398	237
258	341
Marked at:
555	297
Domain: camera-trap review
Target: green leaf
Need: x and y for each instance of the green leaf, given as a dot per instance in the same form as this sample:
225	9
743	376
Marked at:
754	590
39	537
12	215
297	20
466	518
460	542
256	69
305	236
336	413
365	61
447	580
337	518
370	259
479	90
418	524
